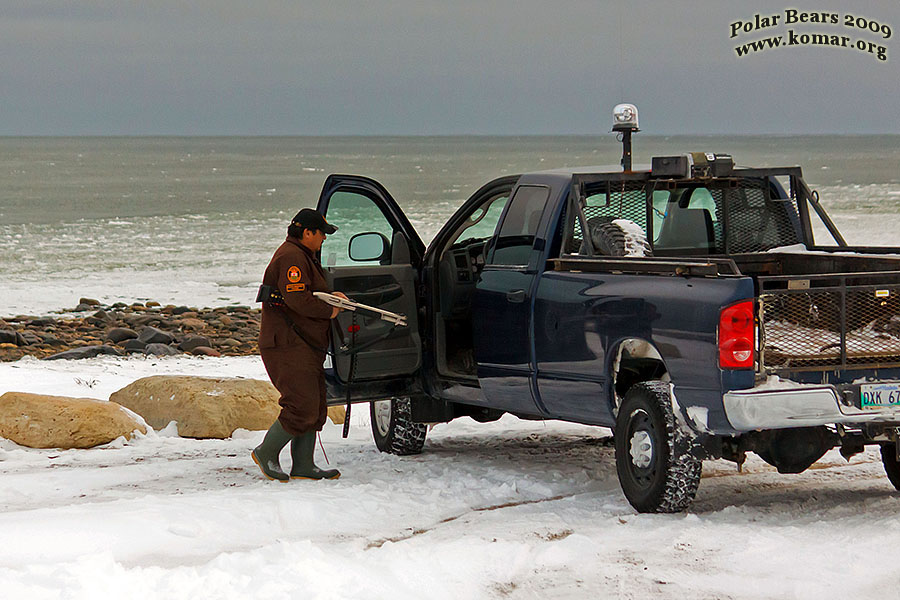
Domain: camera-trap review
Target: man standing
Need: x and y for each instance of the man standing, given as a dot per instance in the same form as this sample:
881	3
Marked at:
293	339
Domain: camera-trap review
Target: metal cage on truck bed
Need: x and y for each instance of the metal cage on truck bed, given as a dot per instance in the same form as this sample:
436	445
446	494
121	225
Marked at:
829	322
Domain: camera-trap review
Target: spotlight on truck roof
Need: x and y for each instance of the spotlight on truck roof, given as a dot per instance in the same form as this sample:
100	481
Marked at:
625	122
625	118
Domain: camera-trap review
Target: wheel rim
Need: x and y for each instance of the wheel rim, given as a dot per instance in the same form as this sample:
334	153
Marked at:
382	410
642	448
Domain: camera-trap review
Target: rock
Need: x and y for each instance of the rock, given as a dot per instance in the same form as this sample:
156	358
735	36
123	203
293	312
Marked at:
89	301
337	414
152	304
192	323
39	421
42	322
202	407
193	341
85	352
9	336
160	350
152	335
179	310
141	320
230	342
134	345
51	339
120	334
102	315
226	320
205	351
31	338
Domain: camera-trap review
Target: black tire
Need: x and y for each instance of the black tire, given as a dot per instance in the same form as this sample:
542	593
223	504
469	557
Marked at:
656	469
609	239
891	465
393	428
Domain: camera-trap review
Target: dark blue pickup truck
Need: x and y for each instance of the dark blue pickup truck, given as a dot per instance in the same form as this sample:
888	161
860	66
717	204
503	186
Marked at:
687	306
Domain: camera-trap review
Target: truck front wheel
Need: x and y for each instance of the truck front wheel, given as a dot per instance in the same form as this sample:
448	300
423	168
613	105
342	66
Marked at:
656	469
393	428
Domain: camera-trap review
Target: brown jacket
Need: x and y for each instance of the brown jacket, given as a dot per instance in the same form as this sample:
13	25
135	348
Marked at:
296	273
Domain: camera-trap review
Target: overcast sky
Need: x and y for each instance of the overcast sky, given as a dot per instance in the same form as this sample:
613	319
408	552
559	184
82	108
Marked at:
228	67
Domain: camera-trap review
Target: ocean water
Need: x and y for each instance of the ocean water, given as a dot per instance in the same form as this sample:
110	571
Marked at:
194	220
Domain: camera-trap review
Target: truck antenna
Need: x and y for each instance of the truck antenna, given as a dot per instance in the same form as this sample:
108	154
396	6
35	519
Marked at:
625	122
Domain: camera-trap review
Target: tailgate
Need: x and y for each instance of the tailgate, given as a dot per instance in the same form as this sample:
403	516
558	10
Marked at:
829	322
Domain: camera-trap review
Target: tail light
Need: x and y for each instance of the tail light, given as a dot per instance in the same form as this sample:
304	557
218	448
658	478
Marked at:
737	330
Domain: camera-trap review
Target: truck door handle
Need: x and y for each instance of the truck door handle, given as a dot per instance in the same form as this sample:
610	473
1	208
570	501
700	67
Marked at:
516	296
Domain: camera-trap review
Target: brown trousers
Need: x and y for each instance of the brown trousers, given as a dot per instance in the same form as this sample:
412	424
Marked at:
297	373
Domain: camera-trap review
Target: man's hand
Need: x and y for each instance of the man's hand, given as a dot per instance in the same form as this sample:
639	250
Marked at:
335	310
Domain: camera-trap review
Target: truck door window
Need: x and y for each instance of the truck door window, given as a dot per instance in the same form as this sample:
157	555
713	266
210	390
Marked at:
352	213
516	236
481	224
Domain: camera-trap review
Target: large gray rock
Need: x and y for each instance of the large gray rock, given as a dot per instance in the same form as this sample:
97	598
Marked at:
134	346
152	335
119	334
85	352
194	341
39	421
203	407
9	336
160	350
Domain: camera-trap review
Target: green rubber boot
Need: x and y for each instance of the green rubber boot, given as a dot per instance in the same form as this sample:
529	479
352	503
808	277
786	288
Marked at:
266	454
302	448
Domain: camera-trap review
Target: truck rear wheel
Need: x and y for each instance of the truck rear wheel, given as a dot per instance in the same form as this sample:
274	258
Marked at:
891	464
393	428
656	469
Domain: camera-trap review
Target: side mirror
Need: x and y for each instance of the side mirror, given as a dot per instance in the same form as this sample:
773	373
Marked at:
369	246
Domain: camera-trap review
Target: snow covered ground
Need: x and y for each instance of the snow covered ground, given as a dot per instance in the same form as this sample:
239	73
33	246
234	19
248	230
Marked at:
511	509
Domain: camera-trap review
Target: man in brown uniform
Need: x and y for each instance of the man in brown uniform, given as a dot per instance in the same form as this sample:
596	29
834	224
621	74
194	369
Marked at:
293	339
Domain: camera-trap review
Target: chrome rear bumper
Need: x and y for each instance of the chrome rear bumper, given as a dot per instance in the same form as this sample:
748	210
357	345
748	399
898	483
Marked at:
803	406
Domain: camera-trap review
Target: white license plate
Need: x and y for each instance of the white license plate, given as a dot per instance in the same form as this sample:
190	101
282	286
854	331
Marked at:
879	395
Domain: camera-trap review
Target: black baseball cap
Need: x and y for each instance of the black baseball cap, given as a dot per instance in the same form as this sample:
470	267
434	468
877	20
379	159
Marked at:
308	218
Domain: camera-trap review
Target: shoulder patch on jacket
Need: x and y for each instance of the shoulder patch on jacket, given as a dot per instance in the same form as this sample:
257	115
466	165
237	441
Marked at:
293	274
295	287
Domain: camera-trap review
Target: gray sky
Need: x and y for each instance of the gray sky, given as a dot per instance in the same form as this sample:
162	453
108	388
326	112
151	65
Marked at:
226	67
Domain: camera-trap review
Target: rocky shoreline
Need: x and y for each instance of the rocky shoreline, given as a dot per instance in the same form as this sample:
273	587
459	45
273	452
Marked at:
91	329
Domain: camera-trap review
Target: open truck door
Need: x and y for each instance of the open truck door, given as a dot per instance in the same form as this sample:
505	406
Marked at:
374	258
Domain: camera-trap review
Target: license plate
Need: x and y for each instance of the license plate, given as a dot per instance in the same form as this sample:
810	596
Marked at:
879	395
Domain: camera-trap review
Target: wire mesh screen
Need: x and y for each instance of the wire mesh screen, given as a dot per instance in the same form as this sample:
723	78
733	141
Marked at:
738	214
756	222
834	327
614	200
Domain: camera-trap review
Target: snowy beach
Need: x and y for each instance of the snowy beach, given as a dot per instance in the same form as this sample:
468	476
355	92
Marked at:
509	509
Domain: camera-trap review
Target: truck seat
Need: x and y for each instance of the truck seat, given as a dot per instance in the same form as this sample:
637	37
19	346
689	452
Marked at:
687	228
